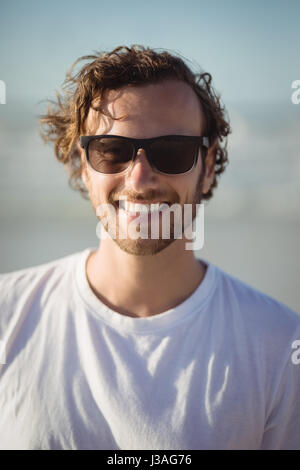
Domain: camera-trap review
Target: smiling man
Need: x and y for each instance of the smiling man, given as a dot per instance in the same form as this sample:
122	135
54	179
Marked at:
133	284
136	344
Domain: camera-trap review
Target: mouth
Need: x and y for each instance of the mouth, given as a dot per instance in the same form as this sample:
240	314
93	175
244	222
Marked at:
137	208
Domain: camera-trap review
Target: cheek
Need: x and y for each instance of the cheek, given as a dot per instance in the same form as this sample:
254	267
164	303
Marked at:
102	185
186	184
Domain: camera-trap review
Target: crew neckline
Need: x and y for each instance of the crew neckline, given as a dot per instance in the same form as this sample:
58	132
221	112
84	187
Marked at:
194	304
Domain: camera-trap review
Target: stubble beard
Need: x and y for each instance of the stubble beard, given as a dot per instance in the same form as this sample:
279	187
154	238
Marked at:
147	246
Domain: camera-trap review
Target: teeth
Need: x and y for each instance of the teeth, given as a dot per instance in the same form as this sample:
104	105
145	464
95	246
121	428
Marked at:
155	207
134	208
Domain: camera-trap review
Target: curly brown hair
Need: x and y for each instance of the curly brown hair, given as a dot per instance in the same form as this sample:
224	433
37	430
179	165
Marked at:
65	119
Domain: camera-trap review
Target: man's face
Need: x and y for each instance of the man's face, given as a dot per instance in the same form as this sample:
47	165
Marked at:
169	107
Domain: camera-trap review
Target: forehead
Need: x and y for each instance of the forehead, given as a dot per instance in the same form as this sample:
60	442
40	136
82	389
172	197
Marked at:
169	107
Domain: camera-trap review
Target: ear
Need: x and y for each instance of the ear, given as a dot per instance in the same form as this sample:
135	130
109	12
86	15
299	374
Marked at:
209	167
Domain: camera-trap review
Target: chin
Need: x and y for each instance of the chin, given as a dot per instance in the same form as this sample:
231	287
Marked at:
141	247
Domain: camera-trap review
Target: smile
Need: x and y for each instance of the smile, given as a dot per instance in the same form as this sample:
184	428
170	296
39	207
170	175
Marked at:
135	208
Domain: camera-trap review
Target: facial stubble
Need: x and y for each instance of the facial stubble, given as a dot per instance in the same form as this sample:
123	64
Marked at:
144	246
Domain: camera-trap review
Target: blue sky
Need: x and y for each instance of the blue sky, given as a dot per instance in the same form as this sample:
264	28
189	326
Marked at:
252	48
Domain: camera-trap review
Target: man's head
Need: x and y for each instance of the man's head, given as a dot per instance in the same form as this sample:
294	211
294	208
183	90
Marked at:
138	93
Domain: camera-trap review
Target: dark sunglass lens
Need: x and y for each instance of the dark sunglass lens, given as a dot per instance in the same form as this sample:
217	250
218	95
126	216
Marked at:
110	155
173	156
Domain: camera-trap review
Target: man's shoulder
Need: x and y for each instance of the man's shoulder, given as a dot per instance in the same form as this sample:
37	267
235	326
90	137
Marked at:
58	263
19	283
26	294
254	306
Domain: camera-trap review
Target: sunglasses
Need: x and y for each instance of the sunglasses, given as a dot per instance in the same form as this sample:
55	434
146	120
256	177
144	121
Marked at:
168	154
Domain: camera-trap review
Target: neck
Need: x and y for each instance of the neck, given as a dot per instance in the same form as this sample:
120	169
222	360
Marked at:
145	285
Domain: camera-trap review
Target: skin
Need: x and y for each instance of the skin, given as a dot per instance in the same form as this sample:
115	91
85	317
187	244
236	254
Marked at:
140	278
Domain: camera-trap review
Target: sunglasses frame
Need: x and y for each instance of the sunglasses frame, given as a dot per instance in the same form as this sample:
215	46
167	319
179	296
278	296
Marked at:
143	144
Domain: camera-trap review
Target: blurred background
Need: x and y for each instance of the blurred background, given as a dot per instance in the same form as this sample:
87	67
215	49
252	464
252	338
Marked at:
252	225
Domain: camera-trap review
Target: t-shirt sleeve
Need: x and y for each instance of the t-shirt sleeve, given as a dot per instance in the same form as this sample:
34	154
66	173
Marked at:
282	429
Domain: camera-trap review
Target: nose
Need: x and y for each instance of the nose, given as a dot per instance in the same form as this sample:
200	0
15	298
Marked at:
140	174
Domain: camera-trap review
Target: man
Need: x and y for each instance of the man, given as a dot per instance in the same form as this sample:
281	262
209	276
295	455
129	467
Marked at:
137	344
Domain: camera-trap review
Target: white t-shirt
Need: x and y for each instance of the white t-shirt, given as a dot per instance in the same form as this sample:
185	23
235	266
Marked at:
216	372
